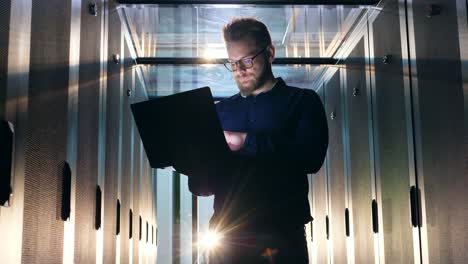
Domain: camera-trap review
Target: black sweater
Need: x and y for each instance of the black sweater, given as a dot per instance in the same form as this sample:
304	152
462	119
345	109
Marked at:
287	137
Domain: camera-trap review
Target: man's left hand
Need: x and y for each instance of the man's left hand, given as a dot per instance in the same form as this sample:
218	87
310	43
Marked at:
235	140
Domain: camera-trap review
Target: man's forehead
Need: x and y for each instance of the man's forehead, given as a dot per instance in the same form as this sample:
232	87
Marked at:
241	48
244	43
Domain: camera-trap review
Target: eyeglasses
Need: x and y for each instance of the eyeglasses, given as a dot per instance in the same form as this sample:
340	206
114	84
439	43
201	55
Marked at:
244	63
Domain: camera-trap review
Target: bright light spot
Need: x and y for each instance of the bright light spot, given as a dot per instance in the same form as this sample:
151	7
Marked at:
99	245
69	235
212	51
215	45
208	65
117	253
218	6
211	240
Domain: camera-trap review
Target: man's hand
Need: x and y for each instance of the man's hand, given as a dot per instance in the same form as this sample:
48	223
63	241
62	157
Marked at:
235	140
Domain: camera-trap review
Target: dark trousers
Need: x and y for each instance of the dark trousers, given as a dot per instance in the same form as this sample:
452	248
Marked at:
279	246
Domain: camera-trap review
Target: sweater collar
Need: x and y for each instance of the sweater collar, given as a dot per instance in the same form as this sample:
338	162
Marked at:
279	82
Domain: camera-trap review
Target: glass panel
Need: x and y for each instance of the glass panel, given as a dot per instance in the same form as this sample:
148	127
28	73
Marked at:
185	222
195	31
330	25
164	208
336	26
167	80
186	31
205	211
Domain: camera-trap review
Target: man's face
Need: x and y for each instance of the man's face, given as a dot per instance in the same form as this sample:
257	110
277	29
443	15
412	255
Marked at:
249	79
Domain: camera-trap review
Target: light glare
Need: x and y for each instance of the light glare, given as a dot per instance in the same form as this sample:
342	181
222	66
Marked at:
211	52
210	240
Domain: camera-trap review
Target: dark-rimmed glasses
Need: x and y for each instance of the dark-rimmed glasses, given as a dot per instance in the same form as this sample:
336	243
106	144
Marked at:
244	63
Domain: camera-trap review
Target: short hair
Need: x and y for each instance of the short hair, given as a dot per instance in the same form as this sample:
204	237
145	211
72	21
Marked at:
247	28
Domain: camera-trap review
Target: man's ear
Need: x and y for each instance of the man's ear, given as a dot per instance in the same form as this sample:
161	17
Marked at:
271	53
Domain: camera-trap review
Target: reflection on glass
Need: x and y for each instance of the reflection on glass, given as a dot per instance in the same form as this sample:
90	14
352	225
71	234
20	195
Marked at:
330	25
166	80
195	31
336	24
186	31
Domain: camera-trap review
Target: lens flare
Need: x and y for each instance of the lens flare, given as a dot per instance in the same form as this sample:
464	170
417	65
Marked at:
211	240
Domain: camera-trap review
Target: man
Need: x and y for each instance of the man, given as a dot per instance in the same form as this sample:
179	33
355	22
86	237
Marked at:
278	134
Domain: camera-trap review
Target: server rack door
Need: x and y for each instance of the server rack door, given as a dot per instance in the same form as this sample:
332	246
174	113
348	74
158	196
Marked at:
13	108
6	217
46	136
392	136
113	116
360	167
462	9
319	211
6	135
5	7
138	156
336	170
440	132
319	229
127	157
88	136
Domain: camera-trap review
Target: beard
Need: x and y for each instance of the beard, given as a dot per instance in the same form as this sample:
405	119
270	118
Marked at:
250	81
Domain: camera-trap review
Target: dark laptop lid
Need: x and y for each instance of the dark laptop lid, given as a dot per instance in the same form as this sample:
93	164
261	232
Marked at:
181	129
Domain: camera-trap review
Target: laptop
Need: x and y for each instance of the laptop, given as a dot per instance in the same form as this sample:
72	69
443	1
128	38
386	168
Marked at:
183	131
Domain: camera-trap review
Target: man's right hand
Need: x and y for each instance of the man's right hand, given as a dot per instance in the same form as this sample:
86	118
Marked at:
235	140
